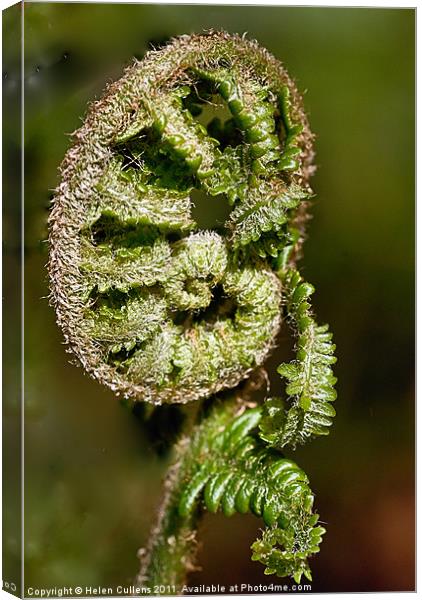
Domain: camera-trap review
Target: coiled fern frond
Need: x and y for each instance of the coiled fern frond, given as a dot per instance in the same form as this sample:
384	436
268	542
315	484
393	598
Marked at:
229	468
154	307
308	411
242	475
161	310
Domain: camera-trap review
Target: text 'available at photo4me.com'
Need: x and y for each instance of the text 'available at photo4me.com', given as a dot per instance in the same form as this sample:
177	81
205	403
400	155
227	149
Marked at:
163	590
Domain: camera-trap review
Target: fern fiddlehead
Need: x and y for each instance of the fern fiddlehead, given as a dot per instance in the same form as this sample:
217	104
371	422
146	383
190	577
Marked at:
228	467
162	311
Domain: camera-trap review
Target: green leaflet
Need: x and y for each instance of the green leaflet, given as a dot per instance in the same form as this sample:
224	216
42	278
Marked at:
284	562
265	211
310	389
291	151
234	471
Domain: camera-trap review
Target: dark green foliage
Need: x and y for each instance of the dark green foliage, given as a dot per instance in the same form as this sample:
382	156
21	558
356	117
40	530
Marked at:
239	473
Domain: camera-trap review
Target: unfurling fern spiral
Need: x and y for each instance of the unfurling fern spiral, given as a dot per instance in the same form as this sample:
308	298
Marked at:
162	311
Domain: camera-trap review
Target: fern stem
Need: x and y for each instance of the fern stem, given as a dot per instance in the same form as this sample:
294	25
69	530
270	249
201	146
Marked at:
172	545
171	551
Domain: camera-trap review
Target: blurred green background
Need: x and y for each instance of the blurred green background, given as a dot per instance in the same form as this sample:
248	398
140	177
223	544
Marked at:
92	475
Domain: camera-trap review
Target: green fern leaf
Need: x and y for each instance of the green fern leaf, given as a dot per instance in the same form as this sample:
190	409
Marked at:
310	378
263	212
236	472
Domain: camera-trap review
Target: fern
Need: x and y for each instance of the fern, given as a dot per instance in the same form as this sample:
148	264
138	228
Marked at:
229	468
161	311
266	211
310	388
241	475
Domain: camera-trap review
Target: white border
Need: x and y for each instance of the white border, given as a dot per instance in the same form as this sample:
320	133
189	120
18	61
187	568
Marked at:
309	3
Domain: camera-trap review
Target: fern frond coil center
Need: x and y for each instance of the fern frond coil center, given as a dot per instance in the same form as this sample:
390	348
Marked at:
153	306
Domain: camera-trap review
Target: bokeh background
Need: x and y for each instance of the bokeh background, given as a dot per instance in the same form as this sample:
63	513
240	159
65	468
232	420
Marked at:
92	473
